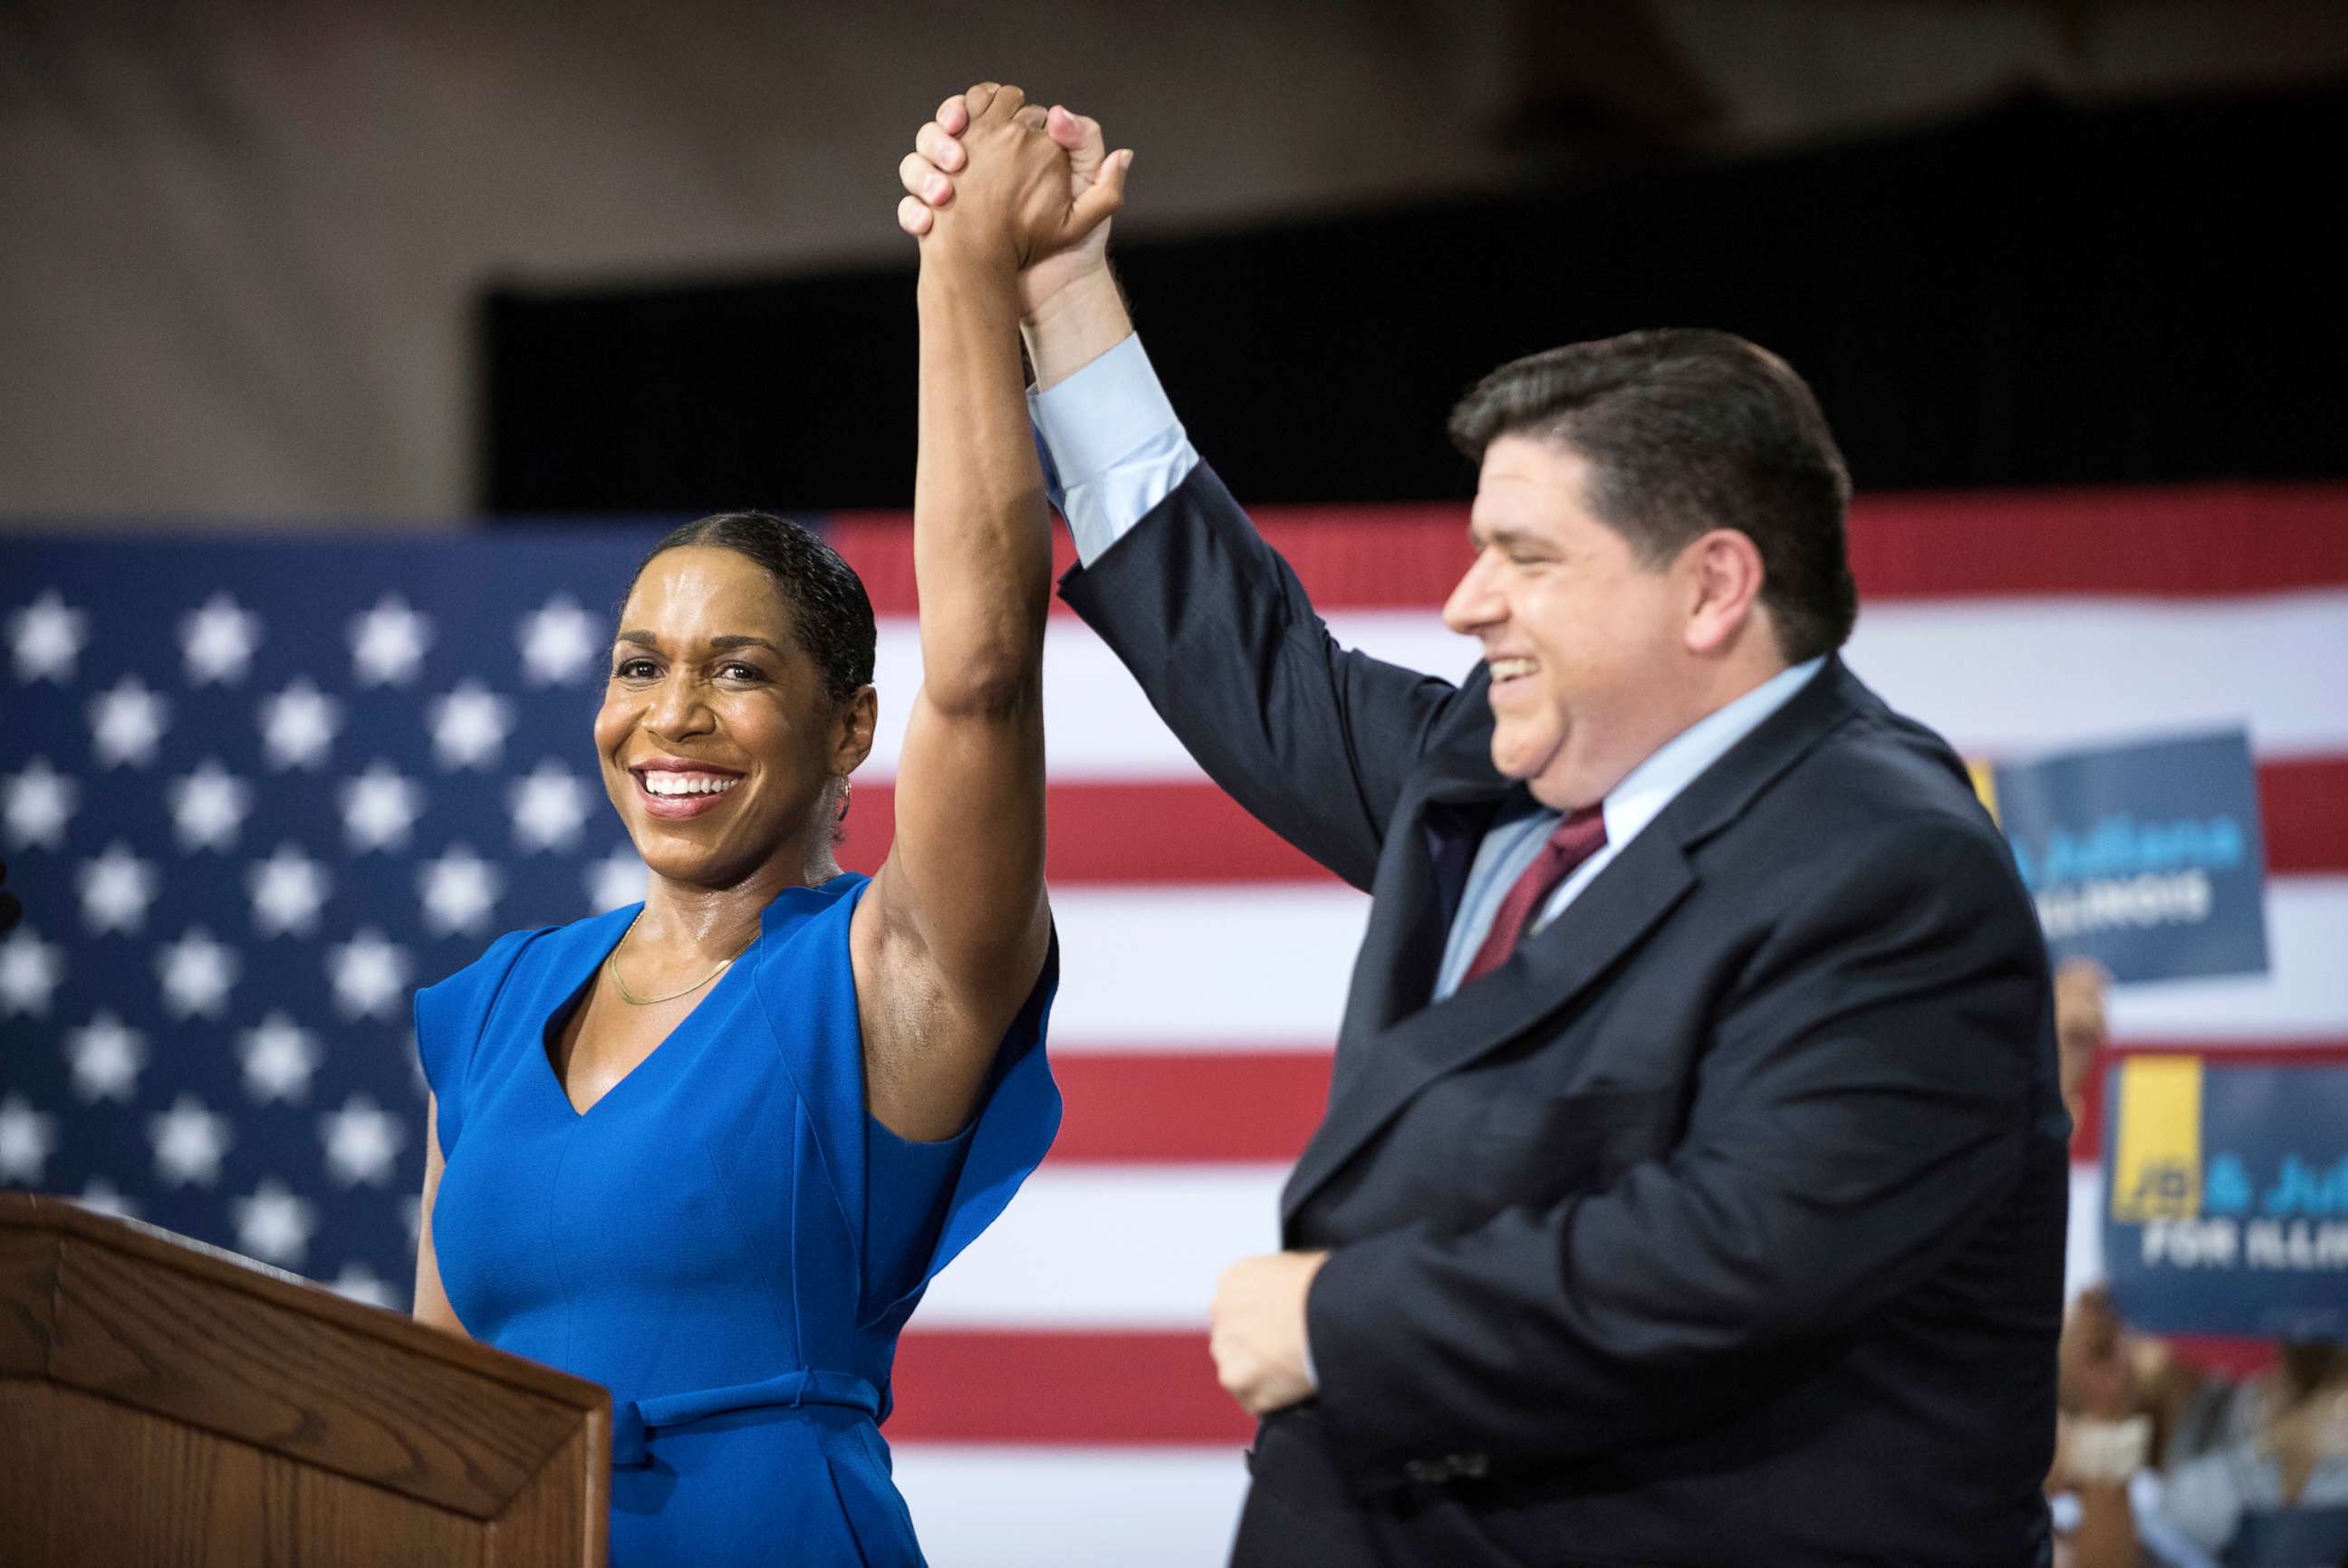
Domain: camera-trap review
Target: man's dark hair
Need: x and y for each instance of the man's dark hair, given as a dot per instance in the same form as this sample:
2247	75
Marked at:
1686	430
830	613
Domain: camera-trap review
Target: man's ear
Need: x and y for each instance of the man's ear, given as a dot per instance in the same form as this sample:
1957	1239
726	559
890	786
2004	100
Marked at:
852	740
1724	579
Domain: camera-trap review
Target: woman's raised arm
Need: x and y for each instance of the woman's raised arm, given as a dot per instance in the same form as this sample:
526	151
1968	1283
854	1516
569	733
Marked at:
951	938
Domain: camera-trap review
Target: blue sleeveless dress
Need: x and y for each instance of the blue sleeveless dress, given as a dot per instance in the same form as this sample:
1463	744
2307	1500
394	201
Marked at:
726	1240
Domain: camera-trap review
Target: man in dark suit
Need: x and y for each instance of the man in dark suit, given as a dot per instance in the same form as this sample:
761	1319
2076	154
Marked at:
1692	1187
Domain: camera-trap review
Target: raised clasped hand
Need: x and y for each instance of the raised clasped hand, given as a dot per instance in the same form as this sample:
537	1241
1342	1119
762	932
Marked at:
998	177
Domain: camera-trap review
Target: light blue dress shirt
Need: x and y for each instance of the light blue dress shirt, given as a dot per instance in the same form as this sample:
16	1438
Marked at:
1113	449
1512	843
1112	446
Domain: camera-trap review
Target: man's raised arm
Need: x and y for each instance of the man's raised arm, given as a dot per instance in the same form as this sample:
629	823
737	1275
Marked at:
1210	619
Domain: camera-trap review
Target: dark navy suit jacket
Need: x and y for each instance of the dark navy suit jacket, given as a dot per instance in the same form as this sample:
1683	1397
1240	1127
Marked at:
1724	1222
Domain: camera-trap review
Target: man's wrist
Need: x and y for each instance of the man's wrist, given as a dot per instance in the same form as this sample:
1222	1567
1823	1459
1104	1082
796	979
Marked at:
1081	321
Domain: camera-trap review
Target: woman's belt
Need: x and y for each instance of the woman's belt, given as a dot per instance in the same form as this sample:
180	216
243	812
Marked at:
633	1420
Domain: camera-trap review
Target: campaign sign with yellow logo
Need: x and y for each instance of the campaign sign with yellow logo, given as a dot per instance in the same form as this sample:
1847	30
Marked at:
2145	857
2225	1195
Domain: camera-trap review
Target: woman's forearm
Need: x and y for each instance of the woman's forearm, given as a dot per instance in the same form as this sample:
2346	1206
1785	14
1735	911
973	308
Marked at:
982	541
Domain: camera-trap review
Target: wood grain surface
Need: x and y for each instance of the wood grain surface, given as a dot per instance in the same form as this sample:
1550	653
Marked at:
28	1278
131	1490
546	1523
26	1420
161	1405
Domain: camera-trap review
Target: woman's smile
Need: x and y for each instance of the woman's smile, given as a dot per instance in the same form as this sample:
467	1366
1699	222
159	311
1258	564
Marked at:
673	790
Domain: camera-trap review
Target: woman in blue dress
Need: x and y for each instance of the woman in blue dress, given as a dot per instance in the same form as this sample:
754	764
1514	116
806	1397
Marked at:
709	1150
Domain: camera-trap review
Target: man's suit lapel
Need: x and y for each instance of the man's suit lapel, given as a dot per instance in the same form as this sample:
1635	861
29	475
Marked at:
1551	970
1424	879
1392	1047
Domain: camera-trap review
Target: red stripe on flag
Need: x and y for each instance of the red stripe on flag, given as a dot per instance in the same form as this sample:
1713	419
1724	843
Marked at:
1122	832
1134	1388
2087	1137
1258	1108
2181	541
2303	814
1353	557
1188	1107
1029	1387
1191	833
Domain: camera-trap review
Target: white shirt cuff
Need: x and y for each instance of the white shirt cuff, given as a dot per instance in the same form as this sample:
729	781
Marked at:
1103	412
1115	447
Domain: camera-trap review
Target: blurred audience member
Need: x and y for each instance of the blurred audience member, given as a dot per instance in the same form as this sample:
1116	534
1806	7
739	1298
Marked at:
2272	1490
2080	1033
2165	1466
2102	1438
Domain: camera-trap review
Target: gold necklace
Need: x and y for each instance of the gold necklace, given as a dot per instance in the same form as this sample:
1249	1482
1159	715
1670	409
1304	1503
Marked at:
612	967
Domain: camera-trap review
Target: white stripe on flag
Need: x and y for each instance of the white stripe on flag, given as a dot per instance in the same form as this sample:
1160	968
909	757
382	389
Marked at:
1247	967
1029	1507
2001	676
1110	1247
1239	965
2083	1255
2008	677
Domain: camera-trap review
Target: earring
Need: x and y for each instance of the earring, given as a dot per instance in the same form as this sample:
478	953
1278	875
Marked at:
847	790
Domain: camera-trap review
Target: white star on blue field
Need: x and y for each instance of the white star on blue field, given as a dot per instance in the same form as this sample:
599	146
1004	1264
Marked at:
256	795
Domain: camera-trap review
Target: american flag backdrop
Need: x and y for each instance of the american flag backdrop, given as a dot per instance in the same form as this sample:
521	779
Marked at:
255	793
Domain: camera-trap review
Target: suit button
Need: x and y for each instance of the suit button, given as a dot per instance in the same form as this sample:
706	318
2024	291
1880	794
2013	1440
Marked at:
1472	1467
1433	1472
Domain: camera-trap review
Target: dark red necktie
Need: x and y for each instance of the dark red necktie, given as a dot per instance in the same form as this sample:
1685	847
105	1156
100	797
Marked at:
1573	840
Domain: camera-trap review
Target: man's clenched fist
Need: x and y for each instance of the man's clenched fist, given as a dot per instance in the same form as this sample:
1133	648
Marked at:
1257	1330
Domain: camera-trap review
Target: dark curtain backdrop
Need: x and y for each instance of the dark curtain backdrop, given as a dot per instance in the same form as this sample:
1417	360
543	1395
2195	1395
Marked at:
2043	295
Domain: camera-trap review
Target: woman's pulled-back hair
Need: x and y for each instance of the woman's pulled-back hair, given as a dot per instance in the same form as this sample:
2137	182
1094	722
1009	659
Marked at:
830	612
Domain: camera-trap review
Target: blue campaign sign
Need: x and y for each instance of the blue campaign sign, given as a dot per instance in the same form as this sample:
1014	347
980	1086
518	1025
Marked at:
2146	858
2225	1195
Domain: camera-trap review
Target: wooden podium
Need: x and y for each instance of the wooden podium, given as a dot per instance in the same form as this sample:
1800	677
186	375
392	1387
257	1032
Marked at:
160	1404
